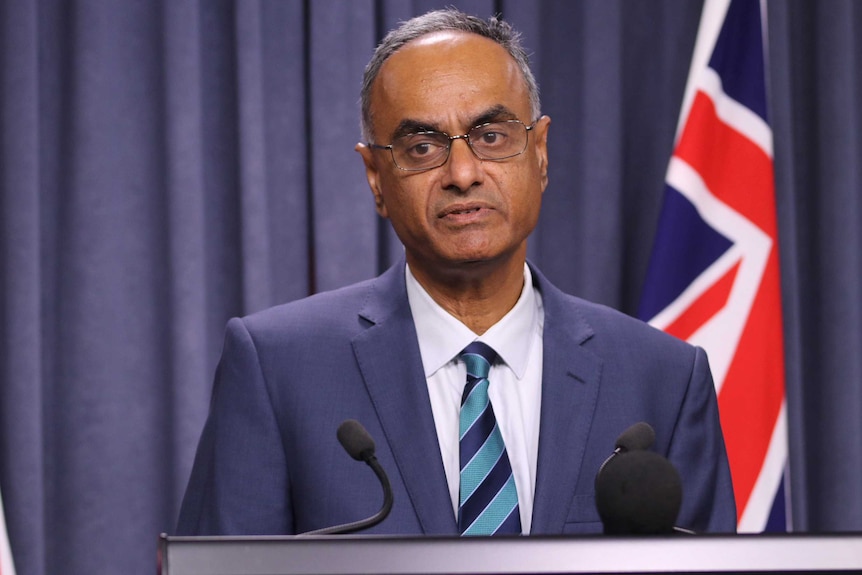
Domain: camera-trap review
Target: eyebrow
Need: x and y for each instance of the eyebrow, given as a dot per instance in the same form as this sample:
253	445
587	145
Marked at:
410	126
495	113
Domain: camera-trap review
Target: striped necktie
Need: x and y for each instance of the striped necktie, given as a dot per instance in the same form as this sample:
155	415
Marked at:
488	497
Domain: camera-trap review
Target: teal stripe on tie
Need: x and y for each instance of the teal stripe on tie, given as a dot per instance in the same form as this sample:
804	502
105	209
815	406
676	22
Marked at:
473	406
496	513
481	464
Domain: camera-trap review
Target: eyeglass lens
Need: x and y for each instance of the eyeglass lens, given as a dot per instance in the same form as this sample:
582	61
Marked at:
492	141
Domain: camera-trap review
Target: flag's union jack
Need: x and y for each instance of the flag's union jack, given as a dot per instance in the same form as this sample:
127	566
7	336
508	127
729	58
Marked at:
713	279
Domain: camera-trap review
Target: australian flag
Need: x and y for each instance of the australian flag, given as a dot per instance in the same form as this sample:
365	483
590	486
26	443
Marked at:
713	279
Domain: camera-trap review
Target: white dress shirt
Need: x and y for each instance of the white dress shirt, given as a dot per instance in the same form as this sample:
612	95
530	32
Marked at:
515	381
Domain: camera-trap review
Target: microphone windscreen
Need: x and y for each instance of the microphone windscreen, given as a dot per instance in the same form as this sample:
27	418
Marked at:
637	437
355	440
638	492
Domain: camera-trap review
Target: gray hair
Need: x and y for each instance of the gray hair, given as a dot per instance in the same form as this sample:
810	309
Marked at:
440	20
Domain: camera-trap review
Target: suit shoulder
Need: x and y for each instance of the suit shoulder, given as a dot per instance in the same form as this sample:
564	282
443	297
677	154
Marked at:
598	325
325	310
611	324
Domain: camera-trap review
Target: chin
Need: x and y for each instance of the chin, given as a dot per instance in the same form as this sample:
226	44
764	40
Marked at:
477	259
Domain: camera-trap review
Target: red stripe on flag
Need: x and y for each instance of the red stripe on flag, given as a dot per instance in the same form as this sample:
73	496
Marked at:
751	397
707	305
740	174
733	167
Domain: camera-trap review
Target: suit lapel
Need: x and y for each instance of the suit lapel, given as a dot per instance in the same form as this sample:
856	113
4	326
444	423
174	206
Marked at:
570	383
389	359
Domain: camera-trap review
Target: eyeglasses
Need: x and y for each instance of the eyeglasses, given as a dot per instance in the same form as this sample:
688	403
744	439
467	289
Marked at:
429	150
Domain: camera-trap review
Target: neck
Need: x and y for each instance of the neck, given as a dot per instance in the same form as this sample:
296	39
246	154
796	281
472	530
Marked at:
477	294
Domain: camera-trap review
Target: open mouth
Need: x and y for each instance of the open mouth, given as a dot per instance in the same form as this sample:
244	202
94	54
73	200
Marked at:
462	210
468	211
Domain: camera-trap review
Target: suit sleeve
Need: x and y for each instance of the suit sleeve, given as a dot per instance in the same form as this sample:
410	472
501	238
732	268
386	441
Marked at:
698	452
239	481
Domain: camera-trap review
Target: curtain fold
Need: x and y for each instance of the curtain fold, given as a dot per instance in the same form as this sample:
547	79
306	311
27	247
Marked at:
23	345
815	93
168	165
185	252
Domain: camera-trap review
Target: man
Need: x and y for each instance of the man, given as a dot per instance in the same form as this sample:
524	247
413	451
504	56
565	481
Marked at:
456	158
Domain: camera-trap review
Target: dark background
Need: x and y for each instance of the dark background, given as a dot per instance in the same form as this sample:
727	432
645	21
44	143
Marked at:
166	165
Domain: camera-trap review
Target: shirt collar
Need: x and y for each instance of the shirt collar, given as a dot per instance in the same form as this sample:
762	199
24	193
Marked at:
442	337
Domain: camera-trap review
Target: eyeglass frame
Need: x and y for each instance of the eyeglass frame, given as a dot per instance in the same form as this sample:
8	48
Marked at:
465	137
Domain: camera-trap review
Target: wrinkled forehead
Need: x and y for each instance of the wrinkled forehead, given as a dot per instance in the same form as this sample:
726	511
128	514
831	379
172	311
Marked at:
449	79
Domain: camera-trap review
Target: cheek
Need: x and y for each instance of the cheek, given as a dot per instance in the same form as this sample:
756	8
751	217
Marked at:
403	202
524	191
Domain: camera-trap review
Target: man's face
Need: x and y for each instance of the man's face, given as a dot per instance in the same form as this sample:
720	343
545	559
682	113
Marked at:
468	210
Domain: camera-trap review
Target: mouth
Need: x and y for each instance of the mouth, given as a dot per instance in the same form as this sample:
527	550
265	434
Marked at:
464	211
461	211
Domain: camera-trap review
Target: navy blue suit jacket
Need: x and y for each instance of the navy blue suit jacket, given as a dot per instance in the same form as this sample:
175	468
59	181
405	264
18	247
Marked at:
269	461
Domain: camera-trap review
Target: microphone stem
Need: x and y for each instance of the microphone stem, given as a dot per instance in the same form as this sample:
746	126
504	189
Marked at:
372	462
615	452
387	491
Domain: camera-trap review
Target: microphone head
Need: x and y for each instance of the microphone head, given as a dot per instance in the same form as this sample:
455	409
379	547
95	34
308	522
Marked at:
637	437
637	493
355	440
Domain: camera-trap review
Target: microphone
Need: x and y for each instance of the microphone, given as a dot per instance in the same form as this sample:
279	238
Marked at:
638	492
357	442
637	437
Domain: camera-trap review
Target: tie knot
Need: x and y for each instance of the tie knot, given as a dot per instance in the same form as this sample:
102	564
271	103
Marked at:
478	356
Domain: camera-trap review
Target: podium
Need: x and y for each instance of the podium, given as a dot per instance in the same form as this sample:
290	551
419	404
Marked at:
537	555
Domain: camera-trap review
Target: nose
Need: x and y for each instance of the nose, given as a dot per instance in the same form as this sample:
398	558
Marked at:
463	169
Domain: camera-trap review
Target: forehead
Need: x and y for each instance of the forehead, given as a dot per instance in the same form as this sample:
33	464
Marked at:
447	79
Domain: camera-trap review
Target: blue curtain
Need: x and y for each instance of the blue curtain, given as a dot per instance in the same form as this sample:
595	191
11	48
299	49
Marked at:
166	165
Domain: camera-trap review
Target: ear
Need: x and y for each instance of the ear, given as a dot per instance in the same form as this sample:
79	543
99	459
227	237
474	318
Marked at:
541	132
372	174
